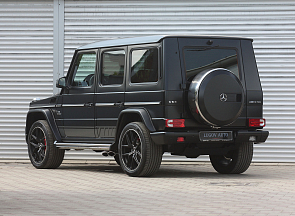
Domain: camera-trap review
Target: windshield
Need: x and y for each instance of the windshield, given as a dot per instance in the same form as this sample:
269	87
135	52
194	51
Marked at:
199	59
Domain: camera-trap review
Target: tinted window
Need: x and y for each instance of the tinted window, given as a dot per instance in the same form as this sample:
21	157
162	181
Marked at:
113	64
199	59
84	69
144	66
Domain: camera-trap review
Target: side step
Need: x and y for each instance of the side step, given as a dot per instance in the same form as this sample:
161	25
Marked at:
81	146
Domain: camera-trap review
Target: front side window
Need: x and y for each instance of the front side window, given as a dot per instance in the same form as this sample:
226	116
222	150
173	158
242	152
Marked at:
113	64
200	59
144	65
84	70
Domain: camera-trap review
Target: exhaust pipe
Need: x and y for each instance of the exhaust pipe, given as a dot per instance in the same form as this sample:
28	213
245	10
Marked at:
105	153
111	153
108	153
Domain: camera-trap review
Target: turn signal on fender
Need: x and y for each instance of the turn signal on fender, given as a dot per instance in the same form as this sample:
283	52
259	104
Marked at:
175	123
256	122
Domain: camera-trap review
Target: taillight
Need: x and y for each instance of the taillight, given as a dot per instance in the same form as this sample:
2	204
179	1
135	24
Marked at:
175	123
256	122
180	139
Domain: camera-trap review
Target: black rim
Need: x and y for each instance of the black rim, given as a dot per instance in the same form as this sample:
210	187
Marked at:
131	149
37	144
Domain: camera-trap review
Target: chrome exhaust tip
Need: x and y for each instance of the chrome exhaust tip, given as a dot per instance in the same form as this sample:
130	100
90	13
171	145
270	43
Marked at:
105	153
112	154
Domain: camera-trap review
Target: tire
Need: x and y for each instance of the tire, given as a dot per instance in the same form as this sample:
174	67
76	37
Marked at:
42	151
117	159
138	154
236	161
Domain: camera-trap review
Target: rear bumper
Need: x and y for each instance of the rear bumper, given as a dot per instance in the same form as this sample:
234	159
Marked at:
162	138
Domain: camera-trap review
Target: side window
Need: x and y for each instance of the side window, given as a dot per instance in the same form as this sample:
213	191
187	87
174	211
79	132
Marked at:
84	70
144	65
113	64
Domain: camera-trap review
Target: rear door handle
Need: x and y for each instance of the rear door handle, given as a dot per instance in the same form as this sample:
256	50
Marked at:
88	104
119	104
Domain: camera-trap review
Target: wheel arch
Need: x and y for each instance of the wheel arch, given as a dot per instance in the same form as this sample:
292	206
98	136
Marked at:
132	115
40	114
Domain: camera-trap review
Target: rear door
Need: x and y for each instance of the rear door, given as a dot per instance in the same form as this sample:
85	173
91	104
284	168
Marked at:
109	97
200	54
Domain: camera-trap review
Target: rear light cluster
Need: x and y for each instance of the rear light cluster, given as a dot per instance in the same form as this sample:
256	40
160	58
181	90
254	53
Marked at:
175	123
180	139
256	122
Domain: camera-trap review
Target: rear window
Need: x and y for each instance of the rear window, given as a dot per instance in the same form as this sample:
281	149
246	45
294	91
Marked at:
199	59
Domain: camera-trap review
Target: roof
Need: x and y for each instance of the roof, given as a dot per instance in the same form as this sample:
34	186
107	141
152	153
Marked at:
145	40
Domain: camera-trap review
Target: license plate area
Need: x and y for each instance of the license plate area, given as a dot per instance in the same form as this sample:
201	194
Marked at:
214	136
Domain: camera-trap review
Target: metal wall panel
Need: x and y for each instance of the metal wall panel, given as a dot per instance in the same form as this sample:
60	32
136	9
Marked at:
269	23
26	44
26	54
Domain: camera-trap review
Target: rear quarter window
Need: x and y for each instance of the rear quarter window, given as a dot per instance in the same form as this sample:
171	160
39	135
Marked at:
144	65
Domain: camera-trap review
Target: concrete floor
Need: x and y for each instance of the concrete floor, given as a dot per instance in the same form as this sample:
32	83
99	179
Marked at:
101	188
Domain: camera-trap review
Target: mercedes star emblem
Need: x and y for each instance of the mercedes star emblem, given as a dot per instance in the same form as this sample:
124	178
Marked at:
223	97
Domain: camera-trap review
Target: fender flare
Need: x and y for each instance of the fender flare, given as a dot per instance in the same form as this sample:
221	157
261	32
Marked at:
47	114
144	115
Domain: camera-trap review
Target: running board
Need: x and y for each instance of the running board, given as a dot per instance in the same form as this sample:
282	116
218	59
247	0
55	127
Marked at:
81	146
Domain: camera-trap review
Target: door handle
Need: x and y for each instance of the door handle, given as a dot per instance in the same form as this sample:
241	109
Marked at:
119	104
88	104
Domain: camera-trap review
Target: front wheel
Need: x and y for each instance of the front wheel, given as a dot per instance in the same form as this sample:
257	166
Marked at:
234	162
138	154
41	148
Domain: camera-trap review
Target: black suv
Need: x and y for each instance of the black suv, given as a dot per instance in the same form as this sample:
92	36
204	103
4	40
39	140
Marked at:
134	99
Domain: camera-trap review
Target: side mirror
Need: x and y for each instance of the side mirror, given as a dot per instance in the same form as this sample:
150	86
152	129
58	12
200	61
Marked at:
61	82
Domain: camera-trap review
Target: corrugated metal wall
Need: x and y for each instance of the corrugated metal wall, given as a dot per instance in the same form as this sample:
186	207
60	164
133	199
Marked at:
26	44
28	31
269	23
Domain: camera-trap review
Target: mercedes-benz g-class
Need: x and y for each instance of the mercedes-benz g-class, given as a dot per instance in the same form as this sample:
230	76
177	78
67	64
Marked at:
136	98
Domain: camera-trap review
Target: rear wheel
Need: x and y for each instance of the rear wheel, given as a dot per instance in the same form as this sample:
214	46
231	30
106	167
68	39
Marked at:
138	154
236	161
41	148
117	159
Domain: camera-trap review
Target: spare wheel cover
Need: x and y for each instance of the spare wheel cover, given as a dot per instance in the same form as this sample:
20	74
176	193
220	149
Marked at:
217	96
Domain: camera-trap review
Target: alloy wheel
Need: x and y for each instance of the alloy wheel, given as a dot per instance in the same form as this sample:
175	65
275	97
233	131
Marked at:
131	149
37	144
